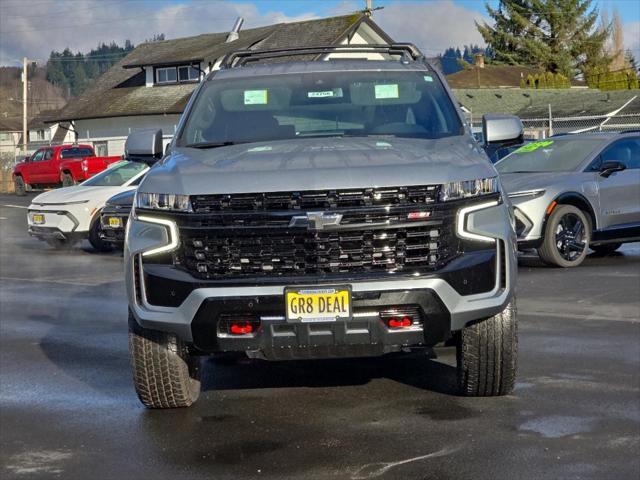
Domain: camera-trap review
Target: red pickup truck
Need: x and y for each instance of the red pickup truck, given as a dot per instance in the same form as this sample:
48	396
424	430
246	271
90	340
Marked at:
61	164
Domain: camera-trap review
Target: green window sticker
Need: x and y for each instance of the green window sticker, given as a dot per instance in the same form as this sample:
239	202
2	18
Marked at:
387	91
428	78
256	97
533	146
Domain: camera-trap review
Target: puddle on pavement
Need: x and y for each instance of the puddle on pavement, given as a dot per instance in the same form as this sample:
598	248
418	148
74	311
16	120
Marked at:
557	426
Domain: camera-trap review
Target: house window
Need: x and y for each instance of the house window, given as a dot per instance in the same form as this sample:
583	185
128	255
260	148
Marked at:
40	135
182	73
101	149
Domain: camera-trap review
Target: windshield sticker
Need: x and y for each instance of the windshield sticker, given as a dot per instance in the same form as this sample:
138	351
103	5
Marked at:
383	144
428	78
533	146
387	91
255	97
335	93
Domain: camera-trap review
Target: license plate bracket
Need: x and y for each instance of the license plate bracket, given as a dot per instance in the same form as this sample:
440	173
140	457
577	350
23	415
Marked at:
37	218
318	304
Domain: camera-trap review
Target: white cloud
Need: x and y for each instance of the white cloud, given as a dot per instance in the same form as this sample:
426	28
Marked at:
432	25
83	24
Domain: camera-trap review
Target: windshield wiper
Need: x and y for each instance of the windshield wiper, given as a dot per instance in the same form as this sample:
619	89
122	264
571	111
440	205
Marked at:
212	144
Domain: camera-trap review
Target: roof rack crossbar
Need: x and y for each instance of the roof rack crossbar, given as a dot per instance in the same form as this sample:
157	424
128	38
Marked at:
241	57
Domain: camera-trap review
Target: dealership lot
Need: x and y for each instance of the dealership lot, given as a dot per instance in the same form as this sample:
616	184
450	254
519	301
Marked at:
67	403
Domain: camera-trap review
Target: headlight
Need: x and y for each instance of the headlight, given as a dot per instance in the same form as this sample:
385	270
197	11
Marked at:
527	193
469	188
163	201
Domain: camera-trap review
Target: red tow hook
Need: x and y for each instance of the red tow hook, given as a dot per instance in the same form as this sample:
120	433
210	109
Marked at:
400	323
241	328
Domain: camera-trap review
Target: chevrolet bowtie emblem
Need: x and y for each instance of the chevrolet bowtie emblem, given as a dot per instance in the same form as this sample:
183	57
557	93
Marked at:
316	220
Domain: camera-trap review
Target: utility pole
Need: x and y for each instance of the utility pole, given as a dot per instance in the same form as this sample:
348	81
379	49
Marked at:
24	105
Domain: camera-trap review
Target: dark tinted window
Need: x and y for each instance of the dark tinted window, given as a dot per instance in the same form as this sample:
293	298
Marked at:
626	151
76	152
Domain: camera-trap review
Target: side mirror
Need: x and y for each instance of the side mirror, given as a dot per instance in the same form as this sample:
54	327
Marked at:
610	166
144	145
505	130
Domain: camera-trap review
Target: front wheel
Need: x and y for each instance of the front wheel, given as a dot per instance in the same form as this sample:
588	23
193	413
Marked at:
94	237
487	355
566	237
165	375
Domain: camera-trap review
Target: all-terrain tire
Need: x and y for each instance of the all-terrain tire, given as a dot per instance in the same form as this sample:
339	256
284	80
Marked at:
549	251
164	374
20	186
487	355
605	248
94	236
67	180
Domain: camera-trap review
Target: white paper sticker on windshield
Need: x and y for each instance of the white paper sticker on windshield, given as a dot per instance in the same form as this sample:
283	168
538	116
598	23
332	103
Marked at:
428	78
255	97
387	91
335	93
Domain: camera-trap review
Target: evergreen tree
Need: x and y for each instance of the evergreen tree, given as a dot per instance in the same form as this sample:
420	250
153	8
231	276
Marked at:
554	35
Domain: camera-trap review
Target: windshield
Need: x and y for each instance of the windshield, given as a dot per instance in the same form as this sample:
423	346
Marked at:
551	155
116	175
360	103
76	152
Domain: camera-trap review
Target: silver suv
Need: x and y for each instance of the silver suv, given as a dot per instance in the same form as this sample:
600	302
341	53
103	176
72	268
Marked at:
316	209
575	192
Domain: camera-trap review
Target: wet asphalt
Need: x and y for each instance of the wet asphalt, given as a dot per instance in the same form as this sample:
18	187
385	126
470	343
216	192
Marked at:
68	409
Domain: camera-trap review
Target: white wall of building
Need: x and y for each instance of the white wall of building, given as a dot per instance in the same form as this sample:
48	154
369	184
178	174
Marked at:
114	131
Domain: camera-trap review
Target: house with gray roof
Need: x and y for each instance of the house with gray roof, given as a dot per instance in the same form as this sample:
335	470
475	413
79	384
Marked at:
150	87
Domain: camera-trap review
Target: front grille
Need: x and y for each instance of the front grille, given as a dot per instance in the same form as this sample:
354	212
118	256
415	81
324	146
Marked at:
256	235
315	200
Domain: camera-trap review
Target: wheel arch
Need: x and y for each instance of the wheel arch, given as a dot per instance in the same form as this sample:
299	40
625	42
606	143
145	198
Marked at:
577	200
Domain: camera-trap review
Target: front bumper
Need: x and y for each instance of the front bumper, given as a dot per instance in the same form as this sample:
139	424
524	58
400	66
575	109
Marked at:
58	224
474	286
109	233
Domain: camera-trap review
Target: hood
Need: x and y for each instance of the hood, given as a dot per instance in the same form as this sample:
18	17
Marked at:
123	199
318	164
520	182
77	193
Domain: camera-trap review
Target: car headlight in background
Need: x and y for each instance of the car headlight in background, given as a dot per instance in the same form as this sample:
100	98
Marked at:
163	201
527	193
469	188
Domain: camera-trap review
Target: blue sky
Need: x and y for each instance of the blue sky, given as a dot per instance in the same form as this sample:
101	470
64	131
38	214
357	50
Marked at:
629	9
433	25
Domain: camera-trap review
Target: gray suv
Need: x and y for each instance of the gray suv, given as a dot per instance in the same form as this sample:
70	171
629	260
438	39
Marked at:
320	208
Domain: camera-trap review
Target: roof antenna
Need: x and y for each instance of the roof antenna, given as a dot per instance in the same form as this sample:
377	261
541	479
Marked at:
368	11
234	34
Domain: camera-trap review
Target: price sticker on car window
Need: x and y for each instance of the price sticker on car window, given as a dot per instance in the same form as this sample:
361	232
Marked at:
256	97
533	146
387	91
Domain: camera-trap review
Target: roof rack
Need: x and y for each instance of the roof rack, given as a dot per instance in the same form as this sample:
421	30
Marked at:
239	58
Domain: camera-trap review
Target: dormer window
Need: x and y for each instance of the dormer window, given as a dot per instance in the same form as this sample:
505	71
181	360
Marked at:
179	74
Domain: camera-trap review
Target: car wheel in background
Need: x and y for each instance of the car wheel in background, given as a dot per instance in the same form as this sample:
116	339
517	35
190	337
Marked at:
94	236
165	375
67	180
20	186
566	237
606	248
487	355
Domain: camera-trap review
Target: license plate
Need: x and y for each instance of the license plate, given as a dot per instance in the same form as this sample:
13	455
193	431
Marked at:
115	222
38	218
326	304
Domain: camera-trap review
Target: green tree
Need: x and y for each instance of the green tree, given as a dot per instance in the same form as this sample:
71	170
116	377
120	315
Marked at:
554	35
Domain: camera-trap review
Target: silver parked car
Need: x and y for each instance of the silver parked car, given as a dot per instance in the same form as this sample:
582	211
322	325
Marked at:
575	192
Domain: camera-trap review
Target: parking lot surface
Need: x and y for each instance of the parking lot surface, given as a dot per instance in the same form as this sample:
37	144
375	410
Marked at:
68	408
